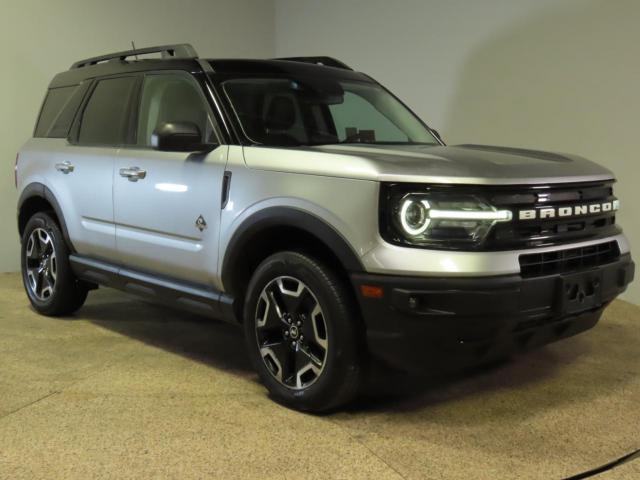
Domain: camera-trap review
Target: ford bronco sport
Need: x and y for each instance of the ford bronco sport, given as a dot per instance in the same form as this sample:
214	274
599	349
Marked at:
303	200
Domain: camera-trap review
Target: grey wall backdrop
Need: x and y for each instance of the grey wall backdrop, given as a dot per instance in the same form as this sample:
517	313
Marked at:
560	75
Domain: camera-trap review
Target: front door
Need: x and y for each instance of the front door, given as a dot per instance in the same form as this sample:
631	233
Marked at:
167	204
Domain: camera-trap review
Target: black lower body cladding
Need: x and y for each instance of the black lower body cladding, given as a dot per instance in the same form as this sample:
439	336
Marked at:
442	324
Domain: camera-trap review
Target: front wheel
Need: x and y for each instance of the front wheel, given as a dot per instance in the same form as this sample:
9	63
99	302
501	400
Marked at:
302	332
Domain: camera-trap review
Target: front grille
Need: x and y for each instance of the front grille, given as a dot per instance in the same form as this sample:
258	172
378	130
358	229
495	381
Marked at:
569	260
551	231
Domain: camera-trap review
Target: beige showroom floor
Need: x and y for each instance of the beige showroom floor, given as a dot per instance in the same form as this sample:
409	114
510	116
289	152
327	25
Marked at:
129	390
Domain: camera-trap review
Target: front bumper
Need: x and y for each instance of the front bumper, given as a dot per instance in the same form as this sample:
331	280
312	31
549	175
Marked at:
447	323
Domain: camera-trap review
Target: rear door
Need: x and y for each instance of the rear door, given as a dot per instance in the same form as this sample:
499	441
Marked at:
167	215
83	179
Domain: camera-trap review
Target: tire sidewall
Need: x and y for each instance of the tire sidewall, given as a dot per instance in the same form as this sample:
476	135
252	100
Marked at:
63	270
341	362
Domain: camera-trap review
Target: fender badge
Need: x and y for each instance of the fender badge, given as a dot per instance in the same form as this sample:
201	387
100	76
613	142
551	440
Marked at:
200	223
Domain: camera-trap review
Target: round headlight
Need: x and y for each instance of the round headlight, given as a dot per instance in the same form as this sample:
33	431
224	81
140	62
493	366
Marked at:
414	216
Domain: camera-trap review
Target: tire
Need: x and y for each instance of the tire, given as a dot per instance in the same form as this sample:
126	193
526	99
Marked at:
51	286
324	368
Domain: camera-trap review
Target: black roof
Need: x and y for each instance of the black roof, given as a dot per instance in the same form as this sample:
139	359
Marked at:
77	75
280	66
182	50
184	57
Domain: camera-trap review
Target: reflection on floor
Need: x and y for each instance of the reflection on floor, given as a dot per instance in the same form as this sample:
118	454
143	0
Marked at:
127	389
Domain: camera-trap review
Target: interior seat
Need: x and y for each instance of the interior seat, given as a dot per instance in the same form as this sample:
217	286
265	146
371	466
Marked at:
280	117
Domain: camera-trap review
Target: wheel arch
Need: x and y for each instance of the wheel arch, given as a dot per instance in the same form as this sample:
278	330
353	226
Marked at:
36	197
282	228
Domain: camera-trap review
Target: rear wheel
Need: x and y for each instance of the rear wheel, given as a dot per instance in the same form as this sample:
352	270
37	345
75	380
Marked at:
302	332
46	274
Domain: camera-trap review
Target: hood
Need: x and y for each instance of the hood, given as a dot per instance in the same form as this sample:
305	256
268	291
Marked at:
465	164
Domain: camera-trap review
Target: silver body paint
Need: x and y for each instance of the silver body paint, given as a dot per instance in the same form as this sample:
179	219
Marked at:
151	224
430	164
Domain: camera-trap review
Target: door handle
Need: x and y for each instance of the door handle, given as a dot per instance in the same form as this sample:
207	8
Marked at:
65	167
133	173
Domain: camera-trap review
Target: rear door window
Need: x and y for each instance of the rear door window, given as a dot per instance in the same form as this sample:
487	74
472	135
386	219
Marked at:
106	116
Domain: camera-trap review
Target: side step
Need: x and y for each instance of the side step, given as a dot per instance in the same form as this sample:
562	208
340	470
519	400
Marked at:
182	295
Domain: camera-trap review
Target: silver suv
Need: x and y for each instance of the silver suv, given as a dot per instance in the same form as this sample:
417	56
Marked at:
304	201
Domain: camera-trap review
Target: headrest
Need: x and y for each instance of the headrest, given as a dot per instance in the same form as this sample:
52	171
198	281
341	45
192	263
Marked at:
281	114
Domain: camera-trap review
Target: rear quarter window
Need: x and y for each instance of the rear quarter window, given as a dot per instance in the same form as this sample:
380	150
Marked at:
55	103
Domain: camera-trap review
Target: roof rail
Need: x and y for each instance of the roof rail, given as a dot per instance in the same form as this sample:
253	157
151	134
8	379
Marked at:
183	50
325	61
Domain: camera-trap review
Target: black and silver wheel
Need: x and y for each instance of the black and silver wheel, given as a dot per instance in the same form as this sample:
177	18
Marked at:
46	274
41	265
302	333
291	332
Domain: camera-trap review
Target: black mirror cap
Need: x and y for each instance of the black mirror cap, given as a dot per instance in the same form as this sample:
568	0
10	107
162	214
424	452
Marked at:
178	137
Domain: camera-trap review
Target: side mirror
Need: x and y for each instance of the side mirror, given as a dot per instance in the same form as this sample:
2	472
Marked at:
178	137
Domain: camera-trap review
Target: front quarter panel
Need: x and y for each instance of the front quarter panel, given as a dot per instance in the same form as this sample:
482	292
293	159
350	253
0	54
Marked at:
348	206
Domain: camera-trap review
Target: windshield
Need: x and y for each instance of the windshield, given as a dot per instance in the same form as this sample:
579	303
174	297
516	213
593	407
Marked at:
312	111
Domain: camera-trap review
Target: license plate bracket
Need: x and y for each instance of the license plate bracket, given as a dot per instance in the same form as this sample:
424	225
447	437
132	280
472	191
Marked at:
581	291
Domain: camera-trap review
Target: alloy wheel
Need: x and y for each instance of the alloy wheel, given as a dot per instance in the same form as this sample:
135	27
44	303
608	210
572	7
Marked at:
41	264
291	332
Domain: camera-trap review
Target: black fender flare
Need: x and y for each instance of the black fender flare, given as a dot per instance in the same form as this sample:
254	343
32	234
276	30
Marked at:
37	189
290	217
